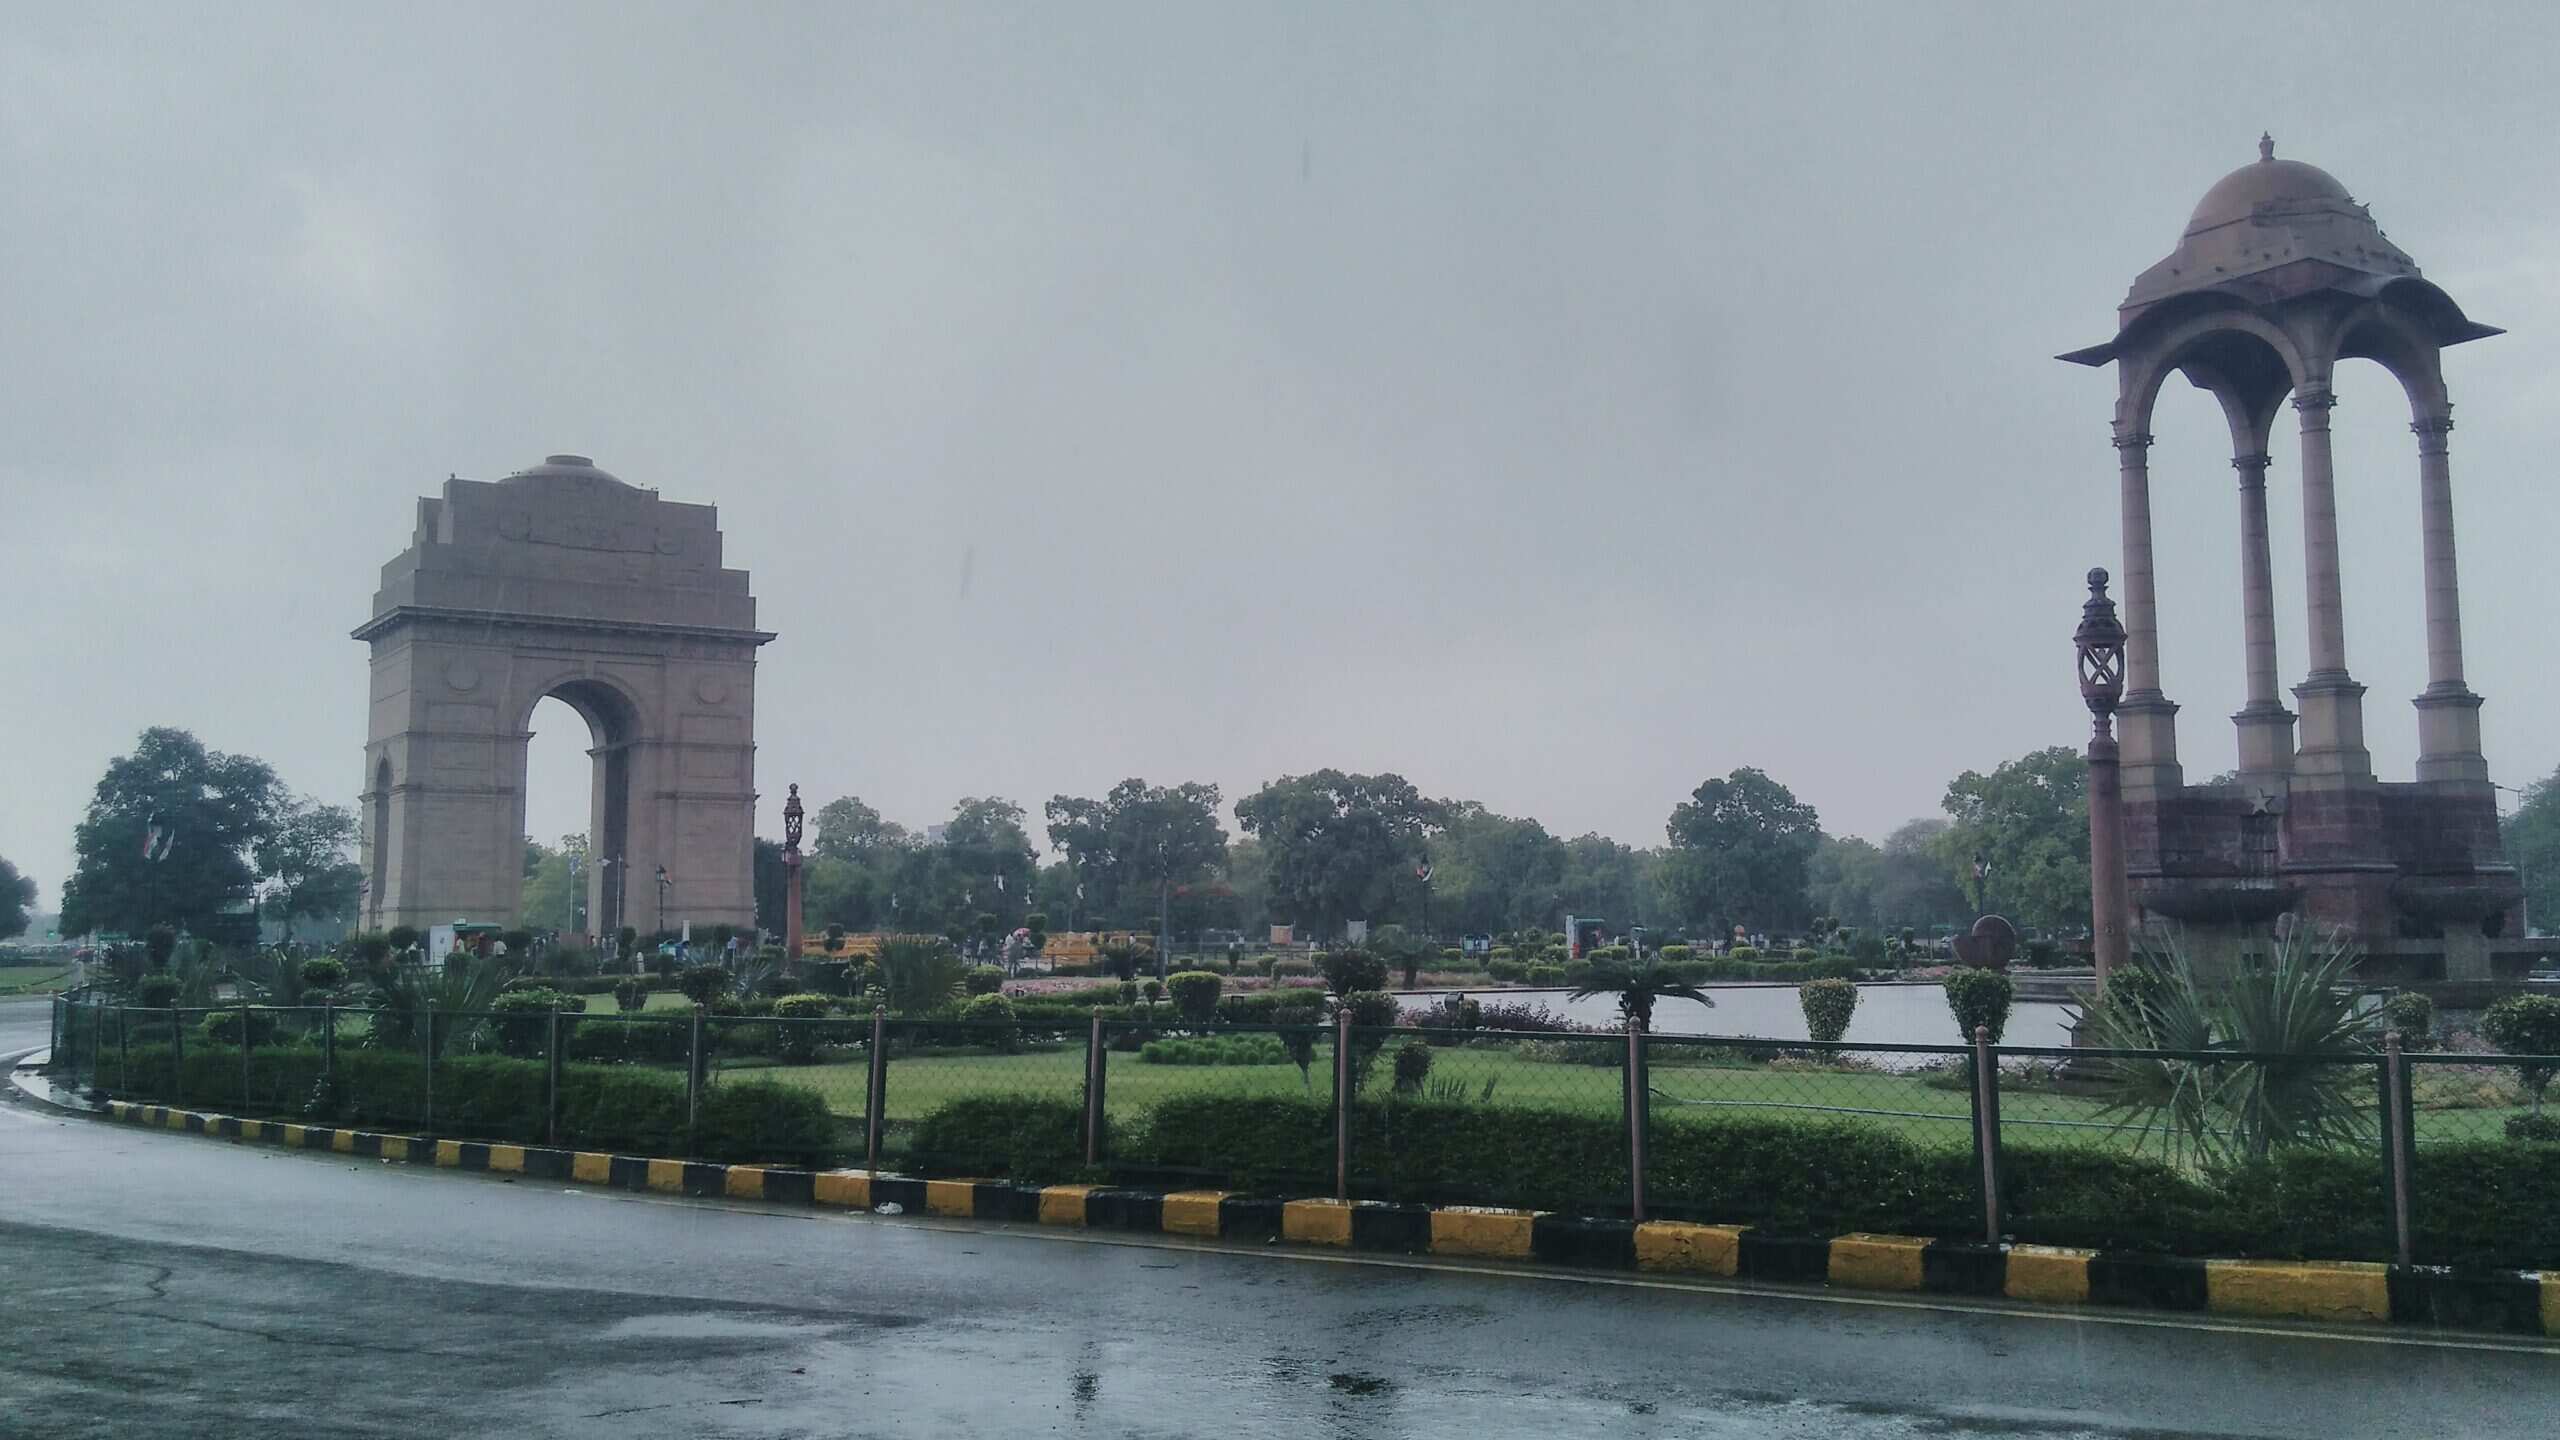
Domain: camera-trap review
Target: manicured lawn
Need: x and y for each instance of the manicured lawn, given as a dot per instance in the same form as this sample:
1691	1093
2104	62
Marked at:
1907	1103
33	979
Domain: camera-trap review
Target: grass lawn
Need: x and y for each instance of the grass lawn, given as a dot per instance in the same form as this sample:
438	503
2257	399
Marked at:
1908	1103
33	979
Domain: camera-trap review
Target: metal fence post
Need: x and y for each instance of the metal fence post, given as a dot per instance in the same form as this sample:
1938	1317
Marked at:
247	1091
124	1052
61	1017
1342	1103
177	1056
693	1075
874	1084
2396	1124
551	1085
427	1121
1093	1092
329	1046
1638	1107
1986	1129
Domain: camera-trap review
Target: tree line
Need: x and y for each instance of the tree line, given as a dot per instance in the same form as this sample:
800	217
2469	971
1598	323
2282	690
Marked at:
182	835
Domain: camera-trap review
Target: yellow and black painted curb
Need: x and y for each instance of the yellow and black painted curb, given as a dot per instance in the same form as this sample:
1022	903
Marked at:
2517	1302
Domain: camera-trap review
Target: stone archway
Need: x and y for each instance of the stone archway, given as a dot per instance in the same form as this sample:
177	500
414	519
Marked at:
561	581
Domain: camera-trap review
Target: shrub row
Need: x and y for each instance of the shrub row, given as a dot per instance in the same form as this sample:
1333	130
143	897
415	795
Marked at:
2483	1204
620	1108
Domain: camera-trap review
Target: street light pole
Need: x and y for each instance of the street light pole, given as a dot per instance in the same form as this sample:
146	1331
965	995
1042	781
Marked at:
662	900
2100	641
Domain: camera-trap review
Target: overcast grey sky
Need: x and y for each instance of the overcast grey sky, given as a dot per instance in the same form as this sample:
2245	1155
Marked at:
1558	405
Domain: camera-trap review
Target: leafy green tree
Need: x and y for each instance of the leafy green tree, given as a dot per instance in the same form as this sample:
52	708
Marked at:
989	860
555	898
840	892
1340	846
1137	838
1492	873
851	831
169	836
2028	822
307	857
1915	887
1846	879
2532	834
1742	851
17	899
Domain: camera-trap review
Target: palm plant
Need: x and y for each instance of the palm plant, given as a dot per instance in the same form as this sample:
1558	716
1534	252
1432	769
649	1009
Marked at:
2288	1022
405	996
1637	983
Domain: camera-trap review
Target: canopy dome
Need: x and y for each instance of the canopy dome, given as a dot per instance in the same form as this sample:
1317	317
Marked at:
2265	181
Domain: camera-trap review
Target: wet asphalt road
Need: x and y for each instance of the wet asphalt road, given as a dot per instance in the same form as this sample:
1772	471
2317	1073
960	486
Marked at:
161	1285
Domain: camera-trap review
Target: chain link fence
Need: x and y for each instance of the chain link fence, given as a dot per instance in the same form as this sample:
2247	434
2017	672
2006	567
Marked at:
2419	1157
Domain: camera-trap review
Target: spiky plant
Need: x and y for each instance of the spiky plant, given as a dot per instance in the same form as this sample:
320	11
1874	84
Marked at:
2290	1028
1637	984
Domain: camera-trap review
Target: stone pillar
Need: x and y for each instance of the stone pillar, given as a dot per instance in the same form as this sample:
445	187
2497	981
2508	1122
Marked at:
2265	726
2150	719
2448	713
2111	907
2332	702
794	933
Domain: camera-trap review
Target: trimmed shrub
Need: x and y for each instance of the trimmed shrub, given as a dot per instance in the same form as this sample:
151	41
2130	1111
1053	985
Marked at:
1014	1137
1743	952
1347	971
984	979
157	991
1413	1066
1805	955
1215	1050
703	984
799	1043
1979	998
764	1121
320	972
223	1027
1503	967
1195	994
630	993
523	1028
1828	1006
663	1039
2533	1127
1677	954
1546	977
1577	972
2526	1025
1292	969
988	1010
2410	1013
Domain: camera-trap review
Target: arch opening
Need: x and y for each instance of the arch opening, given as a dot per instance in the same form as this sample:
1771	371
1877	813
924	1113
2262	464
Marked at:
575	796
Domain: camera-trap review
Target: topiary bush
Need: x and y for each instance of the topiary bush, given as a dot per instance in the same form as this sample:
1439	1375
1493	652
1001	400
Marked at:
2413	1015
1828	1007
630	994
321	972
157	991
1014	1137
224	1027
799	1042
984	979
1348	971
1979	998
523	1028
2527	1025
1253	1049
702	984
1413	1066
1195	995
1743	952
1546	977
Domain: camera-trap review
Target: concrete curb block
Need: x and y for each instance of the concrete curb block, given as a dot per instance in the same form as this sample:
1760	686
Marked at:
2328	1291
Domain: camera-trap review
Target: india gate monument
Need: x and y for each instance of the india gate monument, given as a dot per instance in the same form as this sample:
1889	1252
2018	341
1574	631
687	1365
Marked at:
2279	277
560	580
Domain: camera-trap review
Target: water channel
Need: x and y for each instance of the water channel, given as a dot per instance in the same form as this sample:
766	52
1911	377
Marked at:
1906	1013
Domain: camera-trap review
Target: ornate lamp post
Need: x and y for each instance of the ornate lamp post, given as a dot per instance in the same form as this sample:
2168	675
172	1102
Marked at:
793	933
2100	640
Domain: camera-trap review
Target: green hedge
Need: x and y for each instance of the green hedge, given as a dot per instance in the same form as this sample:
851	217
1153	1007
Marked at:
1010	1137
619	1108
2487	1203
